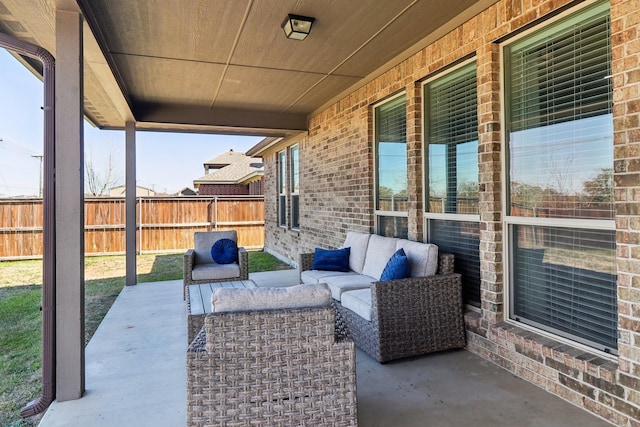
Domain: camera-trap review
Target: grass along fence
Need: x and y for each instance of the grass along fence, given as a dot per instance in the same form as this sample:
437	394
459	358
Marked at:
163	224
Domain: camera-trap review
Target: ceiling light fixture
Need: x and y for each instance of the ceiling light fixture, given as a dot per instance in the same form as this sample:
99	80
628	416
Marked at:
297	27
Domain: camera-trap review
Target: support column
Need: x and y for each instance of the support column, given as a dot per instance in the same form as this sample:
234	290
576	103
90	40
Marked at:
130	200
69	206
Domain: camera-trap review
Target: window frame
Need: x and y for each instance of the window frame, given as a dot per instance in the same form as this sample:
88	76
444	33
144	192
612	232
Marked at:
510	222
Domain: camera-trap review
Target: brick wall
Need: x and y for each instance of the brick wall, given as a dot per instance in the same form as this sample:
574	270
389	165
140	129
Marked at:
223	190
337	195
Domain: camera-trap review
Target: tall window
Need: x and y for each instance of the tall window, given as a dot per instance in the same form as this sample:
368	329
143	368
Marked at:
282	188
451	133
559	134
391	168
294	154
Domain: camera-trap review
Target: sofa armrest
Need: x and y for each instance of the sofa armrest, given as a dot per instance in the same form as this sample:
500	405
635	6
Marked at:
305	261
445	263
243	262
420	303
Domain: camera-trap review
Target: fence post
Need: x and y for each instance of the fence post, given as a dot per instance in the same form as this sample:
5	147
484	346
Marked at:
215	213
140	225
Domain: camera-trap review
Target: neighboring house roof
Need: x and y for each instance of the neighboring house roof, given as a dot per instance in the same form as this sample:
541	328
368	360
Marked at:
186	191
243	170
121	190
224	159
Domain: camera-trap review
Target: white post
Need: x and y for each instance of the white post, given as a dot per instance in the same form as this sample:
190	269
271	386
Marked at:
69	206
130	202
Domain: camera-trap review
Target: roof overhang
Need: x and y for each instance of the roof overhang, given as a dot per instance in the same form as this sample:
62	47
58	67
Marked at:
226	67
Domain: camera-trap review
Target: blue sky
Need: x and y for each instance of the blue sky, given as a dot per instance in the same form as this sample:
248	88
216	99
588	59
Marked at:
165	161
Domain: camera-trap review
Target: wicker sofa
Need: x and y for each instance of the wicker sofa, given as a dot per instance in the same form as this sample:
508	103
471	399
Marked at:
397	318
275	367
199	267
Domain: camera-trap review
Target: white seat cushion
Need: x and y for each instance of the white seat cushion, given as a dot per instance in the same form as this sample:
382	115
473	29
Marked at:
340	284
243	299
359	302
358	243
213	271
423	257
312	277
379	253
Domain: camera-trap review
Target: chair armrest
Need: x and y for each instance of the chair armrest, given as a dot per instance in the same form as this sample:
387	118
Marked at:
243	262
445	263
189	259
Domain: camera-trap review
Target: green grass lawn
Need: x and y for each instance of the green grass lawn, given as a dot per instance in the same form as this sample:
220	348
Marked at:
21	319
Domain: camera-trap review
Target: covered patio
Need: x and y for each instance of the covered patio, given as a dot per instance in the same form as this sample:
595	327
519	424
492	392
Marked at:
354	142
135	375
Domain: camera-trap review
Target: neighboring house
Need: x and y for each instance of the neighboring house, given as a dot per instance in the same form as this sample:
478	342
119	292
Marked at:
186	191
120	191
496	142
231	174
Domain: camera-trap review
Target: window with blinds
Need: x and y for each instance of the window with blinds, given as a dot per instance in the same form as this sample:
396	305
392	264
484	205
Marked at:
566	282
294	154
282	189
452	136
560	124
559	134
391	167
461	238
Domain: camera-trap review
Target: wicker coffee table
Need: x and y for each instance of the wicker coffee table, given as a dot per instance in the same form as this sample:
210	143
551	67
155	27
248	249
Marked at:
198	299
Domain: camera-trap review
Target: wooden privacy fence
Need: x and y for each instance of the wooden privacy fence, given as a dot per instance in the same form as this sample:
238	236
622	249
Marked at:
163	224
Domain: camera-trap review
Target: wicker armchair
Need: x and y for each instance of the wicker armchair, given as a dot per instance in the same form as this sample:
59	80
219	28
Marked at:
409	317
280	367
200	268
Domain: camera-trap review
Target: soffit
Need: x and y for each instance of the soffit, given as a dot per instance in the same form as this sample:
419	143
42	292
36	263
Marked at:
225	66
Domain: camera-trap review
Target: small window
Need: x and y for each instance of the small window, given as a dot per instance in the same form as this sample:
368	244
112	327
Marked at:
294	154
282	188
391	168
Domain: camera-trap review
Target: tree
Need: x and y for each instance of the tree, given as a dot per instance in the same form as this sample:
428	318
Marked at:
600	189
99	182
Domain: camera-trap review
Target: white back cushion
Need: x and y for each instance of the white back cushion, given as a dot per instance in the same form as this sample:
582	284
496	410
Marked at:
379	251
243	299
423	257
358	243
203	240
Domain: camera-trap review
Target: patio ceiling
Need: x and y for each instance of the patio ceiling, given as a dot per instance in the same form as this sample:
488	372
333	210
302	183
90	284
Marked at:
226	66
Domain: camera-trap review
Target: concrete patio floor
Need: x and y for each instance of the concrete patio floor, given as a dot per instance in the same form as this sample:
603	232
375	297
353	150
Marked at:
135	376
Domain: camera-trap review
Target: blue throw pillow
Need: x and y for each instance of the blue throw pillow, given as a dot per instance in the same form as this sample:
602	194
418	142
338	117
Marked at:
398	267
224	251
331	259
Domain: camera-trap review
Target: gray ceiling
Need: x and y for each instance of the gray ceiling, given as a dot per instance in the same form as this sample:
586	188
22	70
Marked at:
226	66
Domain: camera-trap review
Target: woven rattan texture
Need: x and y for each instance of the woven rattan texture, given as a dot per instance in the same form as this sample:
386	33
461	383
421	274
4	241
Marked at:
271	368
410	317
